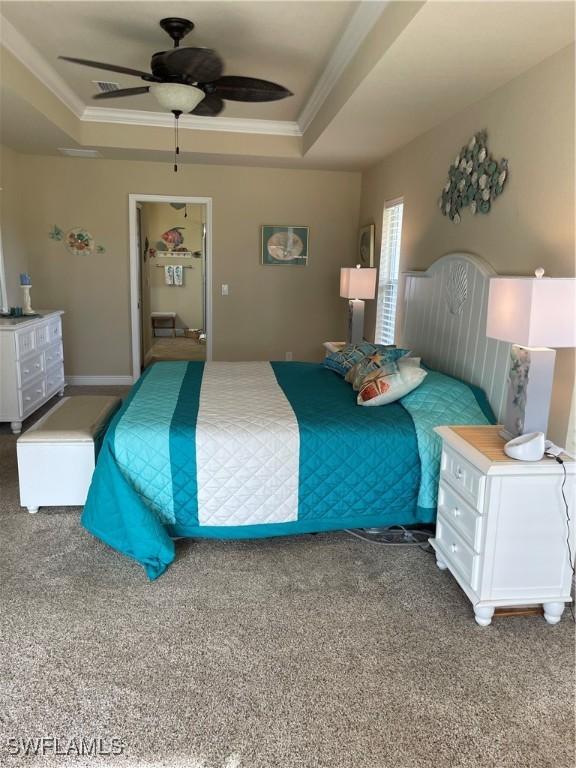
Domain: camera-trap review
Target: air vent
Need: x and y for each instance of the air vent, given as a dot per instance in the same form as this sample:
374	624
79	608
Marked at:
72	152
105	86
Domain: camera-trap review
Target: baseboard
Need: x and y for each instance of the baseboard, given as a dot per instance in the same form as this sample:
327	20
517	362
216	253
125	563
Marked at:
101	381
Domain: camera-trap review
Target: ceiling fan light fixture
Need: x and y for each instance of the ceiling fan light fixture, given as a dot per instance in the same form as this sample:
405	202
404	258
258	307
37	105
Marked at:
177	97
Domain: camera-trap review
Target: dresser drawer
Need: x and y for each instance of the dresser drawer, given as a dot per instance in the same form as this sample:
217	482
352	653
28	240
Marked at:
460	515
54	354
42	337
32	395
461	475
459	556
54	330
25	342
55	378
30	367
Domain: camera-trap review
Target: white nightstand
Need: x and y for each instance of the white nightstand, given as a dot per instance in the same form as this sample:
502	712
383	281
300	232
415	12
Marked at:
333	346
502	528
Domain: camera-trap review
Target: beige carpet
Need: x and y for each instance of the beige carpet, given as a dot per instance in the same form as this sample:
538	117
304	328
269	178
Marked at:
309	652
174	348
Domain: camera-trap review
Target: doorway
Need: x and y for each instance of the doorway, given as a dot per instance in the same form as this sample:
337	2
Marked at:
170	256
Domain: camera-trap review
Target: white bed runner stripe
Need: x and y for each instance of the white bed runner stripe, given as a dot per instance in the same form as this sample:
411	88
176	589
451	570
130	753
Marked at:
247	447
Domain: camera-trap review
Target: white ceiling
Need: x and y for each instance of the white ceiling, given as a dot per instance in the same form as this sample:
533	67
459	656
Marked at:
450	56
442	57
286	42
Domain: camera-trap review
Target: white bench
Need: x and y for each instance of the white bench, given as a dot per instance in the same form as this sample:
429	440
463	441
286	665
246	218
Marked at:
57	456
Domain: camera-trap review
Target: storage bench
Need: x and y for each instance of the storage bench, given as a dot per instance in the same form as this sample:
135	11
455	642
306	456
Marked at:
57	456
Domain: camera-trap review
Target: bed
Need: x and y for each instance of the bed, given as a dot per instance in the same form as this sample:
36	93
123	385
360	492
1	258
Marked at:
258	449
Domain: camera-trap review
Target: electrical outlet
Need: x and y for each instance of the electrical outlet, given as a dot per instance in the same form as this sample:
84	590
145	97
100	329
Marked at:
288	356
224	289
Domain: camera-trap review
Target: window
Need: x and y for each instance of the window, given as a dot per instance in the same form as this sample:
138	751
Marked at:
389	269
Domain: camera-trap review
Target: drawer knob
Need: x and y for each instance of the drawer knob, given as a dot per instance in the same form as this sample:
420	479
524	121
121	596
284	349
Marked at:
453	547
27	398
458	472
456	512
37	365
26	370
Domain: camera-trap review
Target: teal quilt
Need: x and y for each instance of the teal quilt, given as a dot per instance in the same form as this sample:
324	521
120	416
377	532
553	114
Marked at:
247	450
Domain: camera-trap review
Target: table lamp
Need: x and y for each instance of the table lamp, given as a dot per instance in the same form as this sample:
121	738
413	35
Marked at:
534	314
357	284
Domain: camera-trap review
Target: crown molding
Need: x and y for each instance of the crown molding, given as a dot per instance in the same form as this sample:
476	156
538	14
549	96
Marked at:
166	120
363	20
359	26
27	55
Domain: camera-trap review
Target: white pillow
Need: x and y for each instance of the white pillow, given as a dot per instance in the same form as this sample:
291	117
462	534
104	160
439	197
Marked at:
408	362
386	388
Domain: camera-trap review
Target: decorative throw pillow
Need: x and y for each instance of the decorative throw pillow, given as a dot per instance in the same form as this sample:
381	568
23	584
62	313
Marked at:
384	388
380	359
409	362
348	356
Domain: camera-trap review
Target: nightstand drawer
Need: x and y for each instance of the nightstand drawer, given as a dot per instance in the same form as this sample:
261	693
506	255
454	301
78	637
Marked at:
466	479
461	516
459	556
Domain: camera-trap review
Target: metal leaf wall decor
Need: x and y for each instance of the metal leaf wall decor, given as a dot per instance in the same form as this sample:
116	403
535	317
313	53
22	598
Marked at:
475	179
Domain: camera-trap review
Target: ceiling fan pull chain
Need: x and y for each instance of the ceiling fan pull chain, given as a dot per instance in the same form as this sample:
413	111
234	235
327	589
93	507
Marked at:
176	147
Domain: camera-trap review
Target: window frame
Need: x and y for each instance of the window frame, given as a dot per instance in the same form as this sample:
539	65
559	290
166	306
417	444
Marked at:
387	284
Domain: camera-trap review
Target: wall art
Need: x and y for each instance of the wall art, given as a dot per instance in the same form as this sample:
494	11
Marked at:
475	180
284	245
366	246
77	240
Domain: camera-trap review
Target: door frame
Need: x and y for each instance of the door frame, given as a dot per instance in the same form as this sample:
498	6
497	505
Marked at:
135	314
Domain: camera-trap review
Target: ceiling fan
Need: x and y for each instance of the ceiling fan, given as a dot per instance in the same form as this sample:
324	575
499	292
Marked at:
189	80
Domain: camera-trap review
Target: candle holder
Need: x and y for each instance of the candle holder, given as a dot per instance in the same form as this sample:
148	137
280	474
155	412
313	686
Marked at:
27	306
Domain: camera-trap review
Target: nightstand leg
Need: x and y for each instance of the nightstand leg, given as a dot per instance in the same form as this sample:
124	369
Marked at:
553	612
16	427
483	615
441	563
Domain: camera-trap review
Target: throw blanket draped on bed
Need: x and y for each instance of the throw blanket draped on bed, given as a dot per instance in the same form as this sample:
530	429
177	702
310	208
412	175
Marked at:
243	450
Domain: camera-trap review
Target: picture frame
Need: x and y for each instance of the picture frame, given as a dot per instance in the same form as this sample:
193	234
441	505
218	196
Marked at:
366	246
284	245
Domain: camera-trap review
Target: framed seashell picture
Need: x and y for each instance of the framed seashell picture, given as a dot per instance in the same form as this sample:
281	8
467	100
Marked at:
475	180
284	245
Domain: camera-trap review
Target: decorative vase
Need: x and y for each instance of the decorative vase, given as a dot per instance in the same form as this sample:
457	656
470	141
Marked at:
27	306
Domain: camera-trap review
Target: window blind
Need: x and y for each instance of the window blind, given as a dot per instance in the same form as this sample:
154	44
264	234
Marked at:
389	271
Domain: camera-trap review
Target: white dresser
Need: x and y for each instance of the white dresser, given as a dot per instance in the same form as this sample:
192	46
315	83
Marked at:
502	527
31	365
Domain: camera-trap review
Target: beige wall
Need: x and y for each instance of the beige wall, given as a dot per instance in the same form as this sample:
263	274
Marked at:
186	300
531	122
11	222
270	310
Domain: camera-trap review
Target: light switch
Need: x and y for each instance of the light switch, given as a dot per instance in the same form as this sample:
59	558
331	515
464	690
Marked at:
224	289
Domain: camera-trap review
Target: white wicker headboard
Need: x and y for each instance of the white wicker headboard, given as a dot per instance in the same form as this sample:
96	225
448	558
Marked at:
445	323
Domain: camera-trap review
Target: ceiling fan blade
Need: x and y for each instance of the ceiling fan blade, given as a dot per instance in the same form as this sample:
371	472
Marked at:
248	89
188	65
110	67
122	92
210	106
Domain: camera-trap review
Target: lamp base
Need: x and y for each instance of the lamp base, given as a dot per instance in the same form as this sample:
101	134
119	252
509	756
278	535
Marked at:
356	321
529	390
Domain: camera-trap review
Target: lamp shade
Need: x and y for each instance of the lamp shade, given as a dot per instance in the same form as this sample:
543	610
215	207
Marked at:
356	283
177	97
532	312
